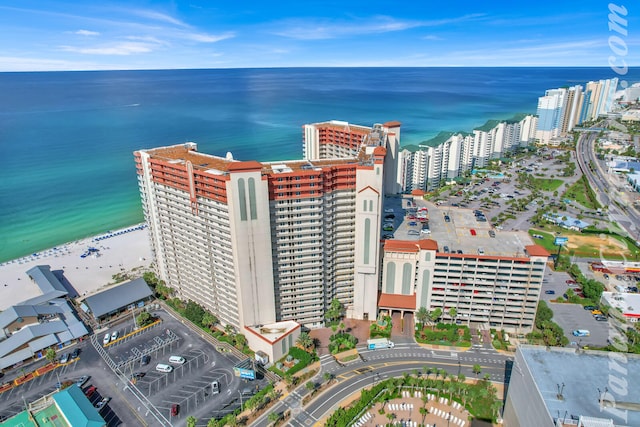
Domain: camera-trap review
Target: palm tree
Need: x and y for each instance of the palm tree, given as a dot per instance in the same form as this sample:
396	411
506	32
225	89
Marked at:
212	423
304	341
274	417
423	412
422	315
327	376
476	370
191	421
453	313
209	320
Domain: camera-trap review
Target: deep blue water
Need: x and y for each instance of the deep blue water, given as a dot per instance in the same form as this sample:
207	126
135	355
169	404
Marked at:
66	138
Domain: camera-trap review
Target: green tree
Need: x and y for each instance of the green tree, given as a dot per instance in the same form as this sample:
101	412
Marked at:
422	315
453	313
209	320
274	417
436	314
311	386
212	423
477	369
191	421
304	341
194	312
144	319
327	376
335	311
241	341
50	354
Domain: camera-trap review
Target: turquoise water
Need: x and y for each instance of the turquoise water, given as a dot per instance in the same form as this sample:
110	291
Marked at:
66	138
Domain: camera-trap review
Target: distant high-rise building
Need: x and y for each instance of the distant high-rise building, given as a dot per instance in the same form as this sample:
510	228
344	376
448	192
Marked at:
256	243
450	155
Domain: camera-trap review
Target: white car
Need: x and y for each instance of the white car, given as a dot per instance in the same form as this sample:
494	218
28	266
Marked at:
114	336
106	339
177	360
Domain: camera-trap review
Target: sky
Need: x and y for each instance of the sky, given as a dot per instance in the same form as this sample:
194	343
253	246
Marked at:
45	35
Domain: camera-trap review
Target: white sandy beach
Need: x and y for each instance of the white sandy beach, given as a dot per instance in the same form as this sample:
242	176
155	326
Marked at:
125	250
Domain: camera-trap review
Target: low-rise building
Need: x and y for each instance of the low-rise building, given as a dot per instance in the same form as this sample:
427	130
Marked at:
488	281
626	303
551	386
117	299
48	320
274	340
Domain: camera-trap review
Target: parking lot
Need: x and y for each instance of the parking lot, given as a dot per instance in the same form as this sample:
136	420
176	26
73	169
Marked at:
188	387
572	317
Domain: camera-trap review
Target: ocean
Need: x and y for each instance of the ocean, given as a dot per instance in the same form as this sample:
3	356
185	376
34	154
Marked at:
67	138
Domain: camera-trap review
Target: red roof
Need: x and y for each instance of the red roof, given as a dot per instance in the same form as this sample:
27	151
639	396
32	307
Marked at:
407	302
379	151
537	250
410	246
392	124
250	165
417	193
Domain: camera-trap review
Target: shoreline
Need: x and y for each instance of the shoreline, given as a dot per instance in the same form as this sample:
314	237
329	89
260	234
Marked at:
86	265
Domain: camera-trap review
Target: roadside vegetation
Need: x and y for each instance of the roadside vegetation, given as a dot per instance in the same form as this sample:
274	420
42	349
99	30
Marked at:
583	194
546	331
479	397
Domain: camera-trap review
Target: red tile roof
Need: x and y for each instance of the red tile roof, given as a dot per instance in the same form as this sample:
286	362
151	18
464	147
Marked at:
250	165
392	124
410	246
537	250
407	302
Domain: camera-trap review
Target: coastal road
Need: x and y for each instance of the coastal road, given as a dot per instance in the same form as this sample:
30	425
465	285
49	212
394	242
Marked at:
378	365
627	218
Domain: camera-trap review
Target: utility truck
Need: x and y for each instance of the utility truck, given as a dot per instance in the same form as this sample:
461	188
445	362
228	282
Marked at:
375	343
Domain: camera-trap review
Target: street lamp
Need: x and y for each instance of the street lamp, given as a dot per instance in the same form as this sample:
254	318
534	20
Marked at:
459	367
241	404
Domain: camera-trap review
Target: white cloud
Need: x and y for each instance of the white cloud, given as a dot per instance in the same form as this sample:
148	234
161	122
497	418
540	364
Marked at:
158	16
432	37
205	38
123	48
87	33
329	29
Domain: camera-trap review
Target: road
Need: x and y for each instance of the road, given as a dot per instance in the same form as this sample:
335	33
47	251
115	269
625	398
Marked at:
378	365
606	194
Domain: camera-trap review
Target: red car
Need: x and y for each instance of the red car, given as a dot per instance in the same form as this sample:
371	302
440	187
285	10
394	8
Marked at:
175	409
571	282
89	391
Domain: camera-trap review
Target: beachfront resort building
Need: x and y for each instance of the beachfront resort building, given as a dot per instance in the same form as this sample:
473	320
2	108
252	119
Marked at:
450	155
257	243
562	109
490	278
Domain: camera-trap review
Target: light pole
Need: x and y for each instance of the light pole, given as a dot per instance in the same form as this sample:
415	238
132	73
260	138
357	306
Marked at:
241	404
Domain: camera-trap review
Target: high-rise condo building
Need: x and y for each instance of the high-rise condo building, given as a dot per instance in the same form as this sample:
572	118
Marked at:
256	243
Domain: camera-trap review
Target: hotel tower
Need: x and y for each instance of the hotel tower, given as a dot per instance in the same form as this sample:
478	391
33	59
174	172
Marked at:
257	243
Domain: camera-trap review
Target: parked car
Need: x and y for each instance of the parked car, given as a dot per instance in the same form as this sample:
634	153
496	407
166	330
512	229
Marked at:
596	312
75	353
590	307
550	292
600	318
175	409
106	339
179	360
114	335
64	358
447	218
387	228
89	391
138	375
413	223
144	360
571	282
103	402
82	380
390	216
387	236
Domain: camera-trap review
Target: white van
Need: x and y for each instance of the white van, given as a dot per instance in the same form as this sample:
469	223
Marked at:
215	387
179	360
161	367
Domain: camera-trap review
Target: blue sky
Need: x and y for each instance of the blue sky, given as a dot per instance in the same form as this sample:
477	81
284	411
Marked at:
38	35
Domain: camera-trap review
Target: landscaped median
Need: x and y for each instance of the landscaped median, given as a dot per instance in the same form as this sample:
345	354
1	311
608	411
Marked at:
443	334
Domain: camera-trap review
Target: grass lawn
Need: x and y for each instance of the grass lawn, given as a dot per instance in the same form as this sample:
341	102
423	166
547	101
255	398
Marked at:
546	184
582	193
585	245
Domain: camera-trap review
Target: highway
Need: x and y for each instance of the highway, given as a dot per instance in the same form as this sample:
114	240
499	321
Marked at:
627	218
378	365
